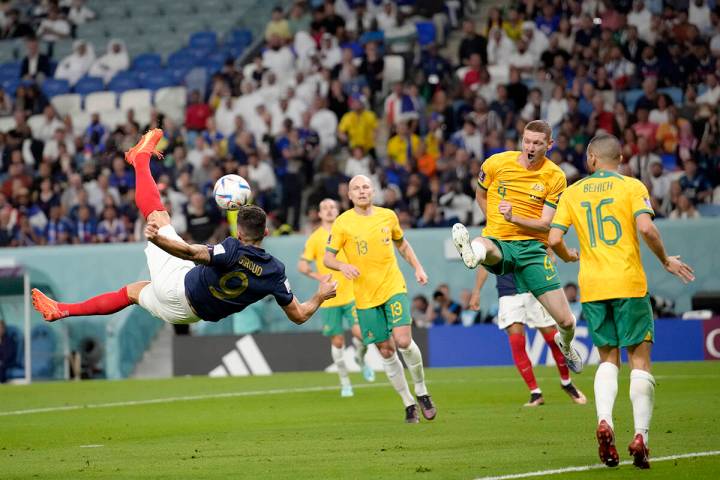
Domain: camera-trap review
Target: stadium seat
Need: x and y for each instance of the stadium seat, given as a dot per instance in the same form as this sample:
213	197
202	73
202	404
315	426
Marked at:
7	123
147	61
35	122
631	97
92	29
67	104
100	101
52	87
181	59
675	94
232	50
80	122
178	74
158	79
87	85
113	118
10	70
709	210
394	69
356	48
111	12
203	40
122	83
374	36
240	36
137	99
425	33
669	161
176	96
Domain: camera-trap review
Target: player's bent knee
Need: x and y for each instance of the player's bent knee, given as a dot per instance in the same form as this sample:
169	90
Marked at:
337	341
134	289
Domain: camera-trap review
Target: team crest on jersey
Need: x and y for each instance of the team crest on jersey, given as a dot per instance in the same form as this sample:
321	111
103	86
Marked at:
538	187
481	177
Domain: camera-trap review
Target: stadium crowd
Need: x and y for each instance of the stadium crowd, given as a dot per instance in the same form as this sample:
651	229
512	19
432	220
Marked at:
321	104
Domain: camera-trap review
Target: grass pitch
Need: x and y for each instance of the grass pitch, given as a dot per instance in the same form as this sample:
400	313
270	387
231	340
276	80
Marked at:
296	426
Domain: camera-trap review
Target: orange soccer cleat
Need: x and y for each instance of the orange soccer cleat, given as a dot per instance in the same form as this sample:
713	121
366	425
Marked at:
640	453
147	144
47	307
606	445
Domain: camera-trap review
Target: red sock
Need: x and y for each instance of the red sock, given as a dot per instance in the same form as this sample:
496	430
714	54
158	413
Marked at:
557	355
147	196
103	304
522	361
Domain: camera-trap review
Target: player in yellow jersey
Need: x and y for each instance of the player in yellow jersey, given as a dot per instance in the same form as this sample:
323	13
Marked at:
368	235
519	192
608	210
337	312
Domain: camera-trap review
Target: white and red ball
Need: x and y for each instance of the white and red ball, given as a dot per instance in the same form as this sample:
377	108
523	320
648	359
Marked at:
232	192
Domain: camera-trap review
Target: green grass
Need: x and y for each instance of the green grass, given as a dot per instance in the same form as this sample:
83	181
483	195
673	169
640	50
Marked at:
481	429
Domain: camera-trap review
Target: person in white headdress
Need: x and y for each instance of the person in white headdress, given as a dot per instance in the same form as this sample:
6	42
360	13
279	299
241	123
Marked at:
330	52
499	47
115	60
74	66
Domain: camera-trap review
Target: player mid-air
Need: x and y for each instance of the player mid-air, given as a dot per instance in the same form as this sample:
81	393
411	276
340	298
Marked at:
368	235
519	192
516	310
339	311
608	210
189	283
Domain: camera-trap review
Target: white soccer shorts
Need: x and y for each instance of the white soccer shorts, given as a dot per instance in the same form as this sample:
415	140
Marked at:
523	308
165	297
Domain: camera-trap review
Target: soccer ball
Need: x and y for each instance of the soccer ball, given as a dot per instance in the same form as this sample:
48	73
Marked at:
232	192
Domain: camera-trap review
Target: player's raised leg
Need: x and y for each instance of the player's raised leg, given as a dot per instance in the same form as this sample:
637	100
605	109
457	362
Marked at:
575	395
478	251
413	359
103	304
642	396
606	388
147	196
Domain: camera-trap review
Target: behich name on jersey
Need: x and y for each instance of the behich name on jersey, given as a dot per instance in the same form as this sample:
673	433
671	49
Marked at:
597	187
250	265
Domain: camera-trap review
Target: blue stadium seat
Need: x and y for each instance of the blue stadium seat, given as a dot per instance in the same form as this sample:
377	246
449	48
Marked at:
158	79
178	74
10	70
240	36
88	85
631	97
669	161
675	94
123	81
143	75
9	85
374	36
212	66
207	40
426	33
233	50
181	59
147	61
52	87
356	48
709	210
200	54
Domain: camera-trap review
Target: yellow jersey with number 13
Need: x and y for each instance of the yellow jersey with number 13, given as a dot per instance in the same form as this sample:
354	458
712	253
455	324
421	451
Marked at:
367	241
527	190
603	207
314	252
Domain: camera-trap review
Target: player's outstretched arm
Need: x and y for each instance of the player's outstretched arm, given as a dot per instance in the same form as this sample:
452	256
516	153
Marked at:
305	268
407	252
652	237
481	276
177	248
541	224
330	261
557	243
300	313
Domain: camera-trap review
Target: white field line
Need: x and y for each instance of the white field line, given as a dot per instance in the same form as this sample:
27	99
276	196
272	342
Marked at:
277	391
584	468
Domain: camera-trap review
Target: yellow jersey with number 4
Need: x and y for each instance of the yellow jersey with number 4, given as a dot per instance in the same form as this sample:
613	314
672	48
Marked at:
527	191
602	208
315	252
367	241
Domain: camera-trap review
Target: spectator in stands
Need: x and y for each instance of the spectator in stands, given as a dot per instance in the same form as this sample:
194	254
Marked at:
358	127
116	59
571	293
404	147
469	139
419	312
694	184
197	113
14	27
8	351
278	25
85	229
278	58
444	310
45	128
499	47
35	65
79	13
685	209
73	67
53	27
712	94
472	42
111	229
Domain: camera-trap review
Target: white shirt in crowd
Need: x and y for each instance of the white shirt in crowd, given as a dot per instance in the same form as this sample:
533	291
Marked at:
263	176
280	61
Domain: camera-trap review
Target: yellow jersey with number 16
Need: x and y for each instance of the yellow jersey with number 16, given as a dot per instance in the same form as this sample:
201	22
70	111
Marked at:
315	252
603	207
527	191
367	241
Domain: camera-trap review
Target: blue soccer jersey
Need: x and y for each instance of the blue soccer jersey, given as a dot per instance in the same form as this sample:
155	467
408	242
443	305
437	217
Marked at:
238	275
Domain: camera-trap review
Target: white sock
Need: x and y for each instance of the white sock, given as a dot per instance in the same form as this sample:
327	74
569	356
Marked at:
536	390
642	396
337	355
413	360
478	248
360	350
396	374
567	334
606	388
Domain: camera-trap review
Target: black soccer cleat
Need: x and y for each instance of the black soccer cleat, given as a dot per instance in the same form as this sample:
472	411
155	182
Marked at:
411	414
576	395
536	399
427	406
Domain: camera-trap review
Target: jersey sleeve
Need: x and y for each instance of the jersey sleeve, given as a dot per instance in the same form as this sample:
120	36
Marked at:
487	172
226	254
396	230
336	240
640	200
283	293
344	123
562	218
558	184
310	249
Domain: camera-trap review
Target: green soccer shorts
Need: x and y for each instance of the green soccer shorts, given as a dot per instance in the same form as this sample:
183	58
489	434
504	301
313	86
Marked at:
620	322
528	260
338	319
377	323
